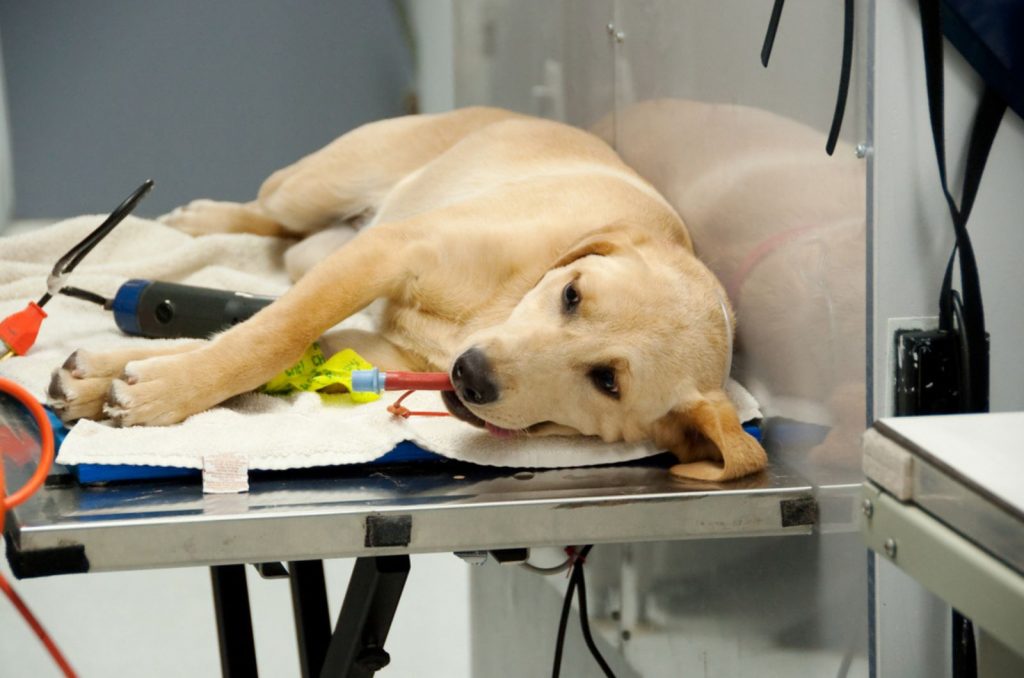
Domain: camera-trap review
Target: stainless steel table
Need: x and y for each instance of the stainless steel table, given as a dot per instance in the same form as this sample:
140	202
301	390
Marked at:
379	515
944	502
380	511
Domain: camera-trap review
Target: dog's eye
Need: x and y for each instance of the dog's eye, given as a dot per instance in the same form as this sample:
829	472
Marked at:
570	297
604	379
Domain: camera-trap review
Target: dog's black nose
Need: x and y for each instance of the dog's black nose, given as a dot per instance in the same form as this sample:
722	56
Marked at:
473	379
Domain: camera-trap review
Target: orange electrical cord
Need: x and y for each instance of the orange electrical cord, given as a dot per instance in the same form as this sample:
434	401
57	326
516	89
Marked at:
6	502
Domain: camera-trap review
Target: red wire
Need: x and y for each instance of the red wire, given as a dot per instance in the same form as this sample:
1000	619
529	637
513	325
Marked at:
34	483
37	627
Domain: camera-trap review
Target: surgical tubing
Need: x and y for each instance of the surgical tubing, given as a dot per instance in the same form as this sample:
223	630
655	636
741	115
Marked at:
46	455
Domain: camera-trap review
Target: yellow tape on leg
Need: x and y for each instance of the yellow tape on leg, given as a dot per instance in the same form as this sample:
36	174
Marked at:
316	372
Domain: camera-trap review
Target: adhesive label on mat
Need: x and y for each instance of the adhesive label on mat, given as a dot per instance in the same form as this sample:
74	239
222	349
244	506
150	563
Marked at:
225	474
316	372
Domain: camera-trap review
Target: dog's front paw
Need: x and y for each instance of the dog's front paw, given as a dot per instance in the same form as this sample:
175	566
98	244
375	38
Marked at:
78	388
152	392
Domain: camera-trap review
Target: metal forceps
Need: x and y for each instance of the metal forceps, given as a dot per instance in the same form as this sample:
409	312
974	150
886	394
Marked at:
18	331
74	256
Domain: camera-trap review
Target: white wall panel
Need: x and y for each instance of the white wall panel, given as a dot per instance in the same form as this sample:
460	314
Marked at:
552	59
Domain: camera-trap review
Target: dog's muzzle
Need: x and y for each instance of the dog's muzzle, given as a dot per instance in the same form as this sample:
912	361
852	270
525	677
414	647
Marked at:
473	378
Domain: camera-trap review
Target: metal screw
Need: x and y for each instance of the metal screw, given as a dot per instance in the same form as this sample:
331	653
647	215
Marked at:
626	635
862	150
620	36
611	29
868	508
890	548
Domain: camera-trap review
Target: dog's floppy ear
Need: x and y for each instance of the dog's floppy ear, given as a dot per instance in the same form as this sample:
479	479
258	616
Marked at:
709	441
613	238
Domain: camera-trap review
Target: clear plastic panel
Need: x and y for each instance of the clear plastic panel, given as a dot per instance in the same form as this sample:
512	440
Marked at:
739	150
551	59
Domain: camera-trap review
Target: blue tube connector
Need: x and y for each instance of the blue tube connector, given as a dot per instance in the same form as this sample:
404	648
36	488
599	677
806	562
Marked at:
368	381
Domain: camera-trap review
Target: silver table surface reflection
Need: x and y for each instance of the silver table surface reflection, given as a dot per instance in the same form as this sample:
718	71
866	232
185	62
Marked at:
444	507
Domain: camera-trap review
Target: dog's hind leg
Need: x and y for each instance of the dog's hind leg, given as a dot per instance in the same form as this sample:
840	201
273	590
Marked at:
204	217
301	257
349	178
342	183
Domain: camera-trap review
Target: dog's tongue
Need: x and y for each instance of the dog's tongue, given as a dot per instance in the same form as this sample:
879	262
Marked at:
499	432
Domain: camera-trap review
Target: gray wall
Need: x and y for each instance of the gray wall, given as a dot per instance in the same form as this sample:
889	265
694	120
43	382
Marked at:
206	98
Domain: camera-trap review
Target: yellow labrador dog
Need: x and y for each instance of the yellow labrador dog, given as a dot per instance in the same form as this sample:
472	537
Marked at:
557	287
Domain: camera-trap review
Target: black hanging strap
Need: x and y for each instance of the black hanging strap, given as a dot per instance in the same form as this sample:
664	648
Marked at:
986	123
968	309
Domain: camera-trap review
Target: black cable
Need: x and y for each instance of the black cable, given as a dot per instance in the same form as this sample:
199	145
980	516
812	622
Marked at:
965	656
769	36
844	71
844	78
563	622
581	593
957	306
85	295
577	585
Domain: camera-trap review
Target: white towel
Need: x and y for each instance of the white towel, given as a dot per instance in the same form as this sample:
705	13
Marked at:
273	432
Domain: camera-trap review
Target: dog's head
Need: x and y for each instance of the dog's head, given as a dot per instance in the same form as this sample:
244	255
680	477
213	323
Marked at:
626	337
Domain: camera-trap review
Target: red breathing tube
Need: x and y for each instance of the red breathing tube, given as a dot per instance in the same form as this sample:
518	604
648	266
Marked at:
417	381
376	381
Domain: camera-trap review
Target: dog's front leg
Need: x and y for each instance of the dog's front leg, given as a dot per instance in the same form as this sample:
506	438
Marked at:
167	389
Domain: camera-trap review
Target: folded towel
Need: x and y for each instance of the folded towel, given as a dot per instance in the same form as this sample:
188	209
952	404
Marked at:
274	432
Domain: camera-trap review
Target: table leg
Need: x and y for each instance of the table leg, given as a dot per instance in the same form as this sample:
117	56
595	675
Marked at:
357	646
234	621
312	618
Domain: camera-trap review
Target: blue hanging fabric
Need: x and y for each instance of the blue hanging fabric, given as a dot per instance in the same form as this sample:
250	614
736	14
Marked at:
990	36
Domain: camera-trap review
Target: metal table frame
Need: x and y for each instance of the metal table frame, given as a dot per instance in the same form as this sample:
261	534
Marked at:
931	510
381	515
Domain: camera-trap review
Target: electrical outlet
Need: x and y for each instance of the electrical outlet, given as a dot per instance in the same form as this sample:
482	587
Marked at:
927	373
925	369
894	325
